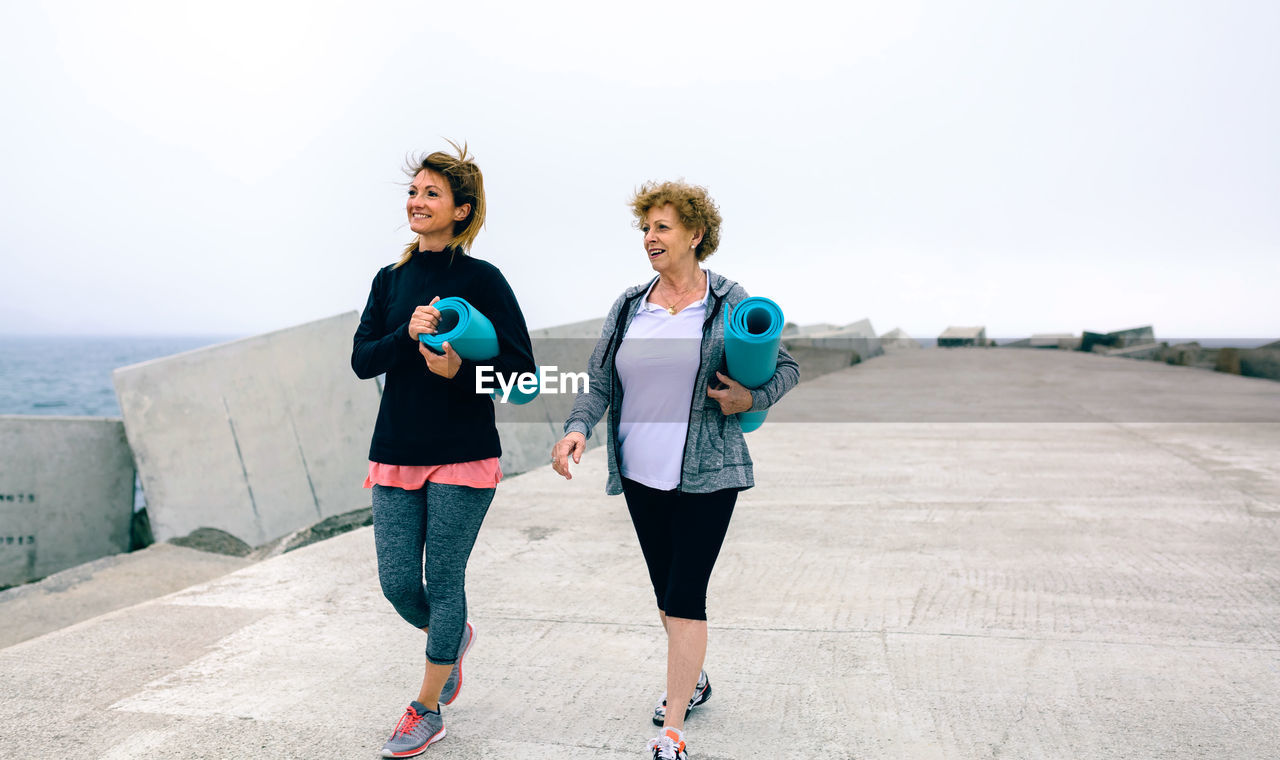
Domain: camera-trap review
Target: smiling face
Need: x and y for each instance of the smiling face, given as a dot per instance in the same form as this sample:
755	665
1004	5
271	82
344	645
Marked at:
669	244
431	211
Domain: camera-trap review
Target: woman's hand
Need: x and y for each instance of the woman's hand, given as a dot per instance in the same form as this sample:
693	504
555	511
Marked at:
572	445
445	365
733	399
424	320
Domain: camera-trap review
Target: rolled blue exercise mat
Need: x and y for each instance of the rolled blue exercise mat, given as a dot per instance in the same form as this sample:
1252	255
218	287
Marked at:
472	336
752	334
461	326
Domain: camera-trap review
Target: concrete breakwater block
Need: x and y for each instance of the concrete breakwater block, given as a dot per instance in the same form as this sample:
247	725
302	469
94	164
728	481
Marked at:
1134	336
66	494
258	437
897	339
821	348
957	336
859	337
816	362
1054	340
1139	351
1260	362
791	329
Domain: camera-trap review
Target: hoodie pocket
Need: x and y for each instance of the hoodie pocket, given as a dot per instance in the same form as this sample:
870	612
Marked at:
711	440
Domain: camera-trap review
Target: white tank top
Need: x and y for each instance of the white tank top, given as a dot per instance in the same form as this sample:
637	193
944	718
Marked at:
657	366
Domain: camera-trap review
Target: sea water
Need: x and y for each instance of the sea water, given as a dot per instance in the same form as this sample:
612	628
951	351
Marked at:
71	376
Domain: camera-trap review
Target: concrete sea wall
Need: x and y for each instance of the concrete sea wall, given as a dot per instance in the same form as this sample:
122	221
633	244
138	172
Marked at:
66	493
258	437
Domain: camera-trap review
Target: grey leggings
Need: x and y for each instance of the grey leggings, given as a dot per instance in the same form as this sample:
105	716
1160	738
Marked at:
424	539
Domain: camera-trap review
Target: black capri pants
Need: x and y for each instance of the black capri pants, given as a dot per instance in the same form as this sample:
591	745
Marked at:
680	535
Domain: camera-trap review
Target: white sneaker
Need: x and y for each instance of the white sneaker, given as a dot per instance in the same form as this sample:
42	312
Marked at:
701	693
669	746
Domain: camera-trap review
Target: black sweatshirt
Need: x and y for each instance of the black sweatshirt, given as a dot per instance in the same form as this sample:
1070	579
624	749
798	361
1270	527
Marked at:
425	419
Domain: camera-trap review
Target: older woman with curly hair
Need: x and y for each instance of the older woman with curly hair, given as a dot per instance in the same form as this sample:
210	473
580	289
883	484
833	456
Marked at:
675	446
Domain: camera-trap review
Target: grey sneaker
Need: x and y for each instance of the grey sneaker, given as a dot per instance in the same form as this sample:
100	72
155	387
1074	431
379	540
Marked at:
418	728
453	686
701	693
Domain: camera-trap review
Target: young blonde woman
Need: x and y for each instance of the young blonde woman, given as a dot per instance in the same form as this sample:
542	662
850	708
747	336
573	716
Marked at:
676	450
433	461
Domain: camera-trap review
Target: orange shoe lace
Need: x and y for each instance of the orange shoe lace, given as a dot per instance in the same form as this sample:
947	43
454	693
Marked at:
408	722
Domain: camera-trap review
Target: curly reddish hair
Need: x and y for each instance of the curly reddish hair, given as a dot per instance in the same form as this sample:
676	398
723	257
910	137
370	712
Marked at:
692	204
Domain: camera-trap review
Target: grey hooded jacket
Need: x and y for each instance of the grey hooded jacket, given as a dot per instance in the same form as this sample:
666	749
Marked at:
715	451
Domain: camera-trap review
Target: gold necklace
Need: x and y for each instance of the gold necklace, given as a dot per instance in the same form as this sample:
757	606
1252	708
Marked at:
672	308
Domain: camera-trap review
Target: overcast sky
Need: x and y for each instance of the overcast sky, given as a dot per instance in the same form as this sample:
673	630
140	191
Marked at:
235	167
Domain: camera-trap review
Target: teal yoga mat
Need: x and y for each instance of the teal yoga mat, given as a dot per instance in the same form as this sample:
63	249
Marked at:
472	336
752	334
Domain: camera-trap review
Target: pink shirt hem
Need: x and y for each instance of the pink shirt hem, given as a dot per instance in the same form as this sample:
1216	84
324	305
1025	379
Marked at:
481	473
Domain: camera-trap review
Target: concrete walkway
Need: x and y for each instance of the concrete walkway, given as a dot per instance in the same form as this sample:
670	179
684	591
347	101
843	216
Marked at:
1067	589
104	585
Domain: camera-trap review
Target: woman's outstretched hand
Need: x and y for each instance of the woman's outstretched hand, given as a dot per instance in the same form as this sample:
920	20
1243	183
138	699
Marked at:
734	398
572	445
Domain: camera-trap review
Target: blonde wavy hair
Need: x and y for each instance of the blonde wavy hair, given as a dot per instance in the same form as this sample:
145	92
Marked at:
467	185
692	204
